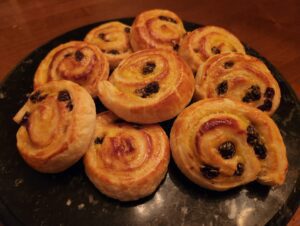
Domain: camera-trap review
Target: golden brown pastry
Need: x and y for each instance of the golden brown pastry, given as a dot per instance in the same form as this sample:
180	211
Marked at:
219	144
149	86
126	161
76	61
156	28
57	124
197	46
113	39
239	77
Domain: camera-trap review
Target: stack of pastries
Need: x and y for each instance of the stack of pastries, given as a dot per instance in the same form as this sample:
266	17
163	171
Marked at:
146	74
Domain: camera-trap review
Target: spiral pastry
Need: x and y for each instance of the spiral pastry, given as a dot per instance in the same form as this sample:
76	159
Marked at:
77	61
113	39
240	77
197	46
57	124
156	29
126	161
227	143
149	86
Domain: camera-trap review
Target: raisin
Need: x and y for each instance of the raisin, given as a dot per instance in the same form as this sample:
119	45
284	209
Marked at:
176	46
260	150
227	150
152	87
209	172
252	94
228	64
127	29
269	93
99	140
239	169
113	51
169	19
63	95
267	105
102	36
78	55
252	135
70	105
222	88
25	118
148	67
215	50
37	97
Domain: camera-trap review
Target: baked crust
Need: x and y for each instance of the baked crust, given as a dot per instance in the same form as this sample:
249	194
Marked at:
126	161
208	125
57	124
113	40
246	78
197	46
149	86
156	28
76	61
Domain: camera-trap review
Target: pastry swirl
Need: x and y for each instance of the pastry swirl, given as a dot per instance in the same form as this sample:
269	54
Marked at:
239	77
76	61
227	143
113	39
149	86
126	161
57	124
197	46
156	29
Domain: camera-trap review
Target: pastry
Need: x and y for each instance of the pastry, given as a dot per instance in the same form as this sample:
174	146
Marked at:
113	40
240	77
57	124
156	29
77	61
126	161
227	143
197	46
149	86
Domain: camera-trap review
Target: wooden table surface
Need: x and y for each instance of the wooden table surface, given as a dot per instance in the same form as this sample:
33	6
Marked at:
270	27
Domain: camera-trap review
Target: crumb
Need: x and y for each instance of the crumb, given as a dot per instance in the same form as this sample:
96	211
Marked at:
81	206
18	181
92	200
69	202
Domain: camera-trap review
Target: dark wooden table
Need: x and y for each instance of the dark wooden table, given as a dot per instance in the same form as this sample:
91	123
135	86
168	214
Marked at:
270	27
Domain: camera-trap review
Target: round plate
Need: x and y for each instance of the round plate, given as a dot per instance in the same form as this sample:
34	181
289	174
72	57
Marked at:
31	198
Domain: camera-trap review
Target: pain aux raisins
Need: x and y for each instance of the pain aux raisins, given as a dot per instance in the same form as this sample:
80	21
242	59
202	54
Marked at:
253	94
239	169
254	140
209	172
78	55
148	67
98	140
215	50
25	119
149	89
227	150
37	97
64	96
222	88
228	64
169	19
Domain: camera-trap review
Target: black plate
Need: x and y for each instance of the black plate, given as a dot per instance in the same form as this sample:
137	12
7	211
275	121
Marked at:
32	198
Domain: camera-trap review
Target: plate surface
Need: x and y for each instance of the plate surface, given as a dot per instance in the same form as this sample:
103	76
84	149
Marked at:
31	198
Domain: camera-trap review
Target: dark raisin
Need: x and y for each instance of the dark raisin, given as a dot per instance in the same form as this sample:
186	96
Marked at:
267	105
215	50
102	36
252	94
169	19
127	29
152	87
37	97
251	130
78	55
260	151
70	105
227	150
63	95
175	46
148	68
25	118
252	135
228	64
239	169
196	50
68	55
222	88
99	140
209	172
113	51
269	93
